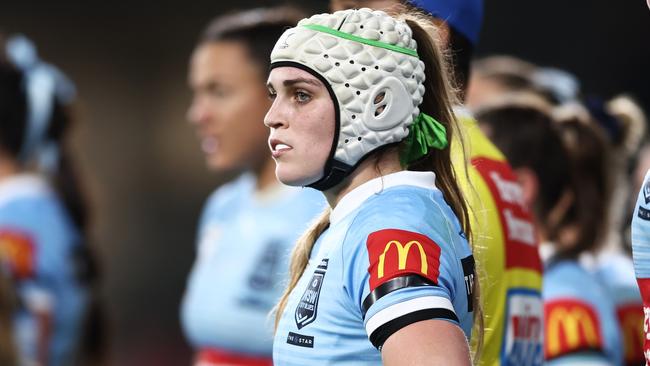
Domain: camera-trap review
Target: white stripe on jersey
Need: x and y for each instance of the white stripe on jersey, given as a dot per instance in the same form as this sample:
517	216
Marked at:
406	307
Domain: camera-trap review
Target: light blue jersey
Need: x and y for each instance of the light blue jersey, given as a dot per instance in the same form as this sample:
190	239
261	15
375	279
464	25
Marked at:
244	242
394	254
581	324
37	246
615	271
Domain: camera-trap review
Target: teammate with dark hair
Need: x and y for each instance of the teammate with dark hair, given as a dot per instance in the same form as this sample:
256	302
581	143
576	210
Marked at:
42	213
580	318
248	226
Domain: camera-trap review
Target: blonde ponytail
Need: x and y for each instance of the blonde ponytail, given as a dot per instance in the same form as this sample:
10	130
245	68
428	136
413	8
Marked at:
439	99
633	121
300	258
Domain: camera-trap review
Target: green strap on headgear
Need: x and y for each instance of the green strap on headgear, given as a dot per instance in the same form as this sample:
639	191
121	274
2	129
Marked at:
370	42
425	133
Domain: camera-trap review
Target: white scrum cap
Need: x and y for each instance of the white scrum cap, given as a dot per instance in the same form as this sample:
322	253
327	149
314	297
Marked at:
369	63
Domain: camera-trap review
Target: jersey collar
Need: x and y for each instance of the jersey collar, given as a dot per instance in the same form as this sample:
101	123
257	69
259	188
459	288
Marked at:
353	199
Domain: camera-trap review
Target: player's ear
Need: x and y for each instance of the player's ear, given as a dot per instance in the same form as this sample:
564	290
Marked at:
529	183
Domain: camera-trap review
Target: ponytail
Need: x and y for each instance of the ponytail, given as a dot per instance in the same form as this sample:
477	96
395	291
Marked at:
300	259
438	102
588	150
439	99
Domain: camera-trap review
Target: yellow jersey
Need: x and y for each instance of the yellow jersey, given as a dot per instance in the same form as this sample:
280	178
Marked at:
506	249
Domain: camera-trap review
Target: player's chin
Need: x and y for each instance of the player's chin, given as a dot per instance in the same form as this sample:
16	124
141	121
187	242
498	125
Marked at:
293	176
219	163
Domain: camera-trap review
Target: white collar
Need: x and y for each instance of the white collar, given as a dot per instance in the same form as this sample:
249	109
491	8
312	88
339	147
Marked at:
357	196
546	251
22	185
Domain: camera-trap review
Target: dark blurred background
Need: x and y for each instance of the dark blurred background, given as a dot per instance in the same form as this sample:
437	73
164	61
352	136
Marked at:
141	161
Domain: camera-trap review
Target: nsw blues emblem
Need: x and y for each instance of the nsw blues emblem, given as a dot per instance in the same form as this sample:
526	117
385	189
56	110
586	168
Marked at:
308	305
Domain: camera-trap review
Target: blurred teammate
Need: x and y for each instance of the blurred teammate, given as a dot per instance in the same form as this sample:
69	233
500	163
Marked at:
598	170
42	214
504	237
363	112
249	225
601	133
580	318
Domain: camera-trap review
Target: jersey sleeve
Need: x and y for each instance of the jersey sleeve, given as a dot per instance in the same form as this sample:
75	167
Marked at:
402	273
573	331
579	316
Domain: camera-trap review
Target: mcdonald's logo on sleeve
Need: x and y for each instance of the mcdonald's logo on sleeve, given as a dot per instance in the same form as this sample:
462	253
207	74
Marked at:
631	320
393	253
571	326
17	253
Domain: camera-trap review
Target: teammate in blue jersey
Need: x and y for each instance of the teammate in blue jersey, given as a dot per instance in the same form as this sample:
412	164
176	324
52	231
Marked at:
591	153
42	216
580	319
386	274
249	225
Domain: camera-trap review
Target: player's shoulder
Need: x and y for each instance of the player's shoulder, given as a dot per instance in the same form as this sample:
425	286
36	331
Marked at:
401	207
229	193
616	268
567	279
303	202
31	212
29	197
407	215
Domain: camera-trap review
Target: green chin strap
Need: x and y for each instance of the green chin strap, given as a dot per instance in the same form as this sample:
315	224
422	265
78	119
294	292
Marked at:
425	133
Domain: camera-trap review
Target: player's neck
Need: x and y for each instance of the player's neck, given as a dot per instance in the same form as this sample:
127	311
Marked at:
8	167
368	169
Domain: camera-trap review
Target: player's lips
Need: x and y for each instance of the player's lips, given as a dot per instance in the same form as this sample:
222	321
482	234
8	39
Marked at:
278	147
209	144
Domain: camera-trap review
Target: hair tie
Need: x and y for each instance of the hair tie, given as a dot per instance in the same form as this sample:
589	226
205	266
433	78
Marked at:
424	134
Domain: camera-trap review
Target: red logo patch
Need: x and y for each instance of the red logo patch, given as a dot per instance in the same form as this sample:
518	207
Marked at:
394	253
518	229
644	286
17	252
630	317
571	326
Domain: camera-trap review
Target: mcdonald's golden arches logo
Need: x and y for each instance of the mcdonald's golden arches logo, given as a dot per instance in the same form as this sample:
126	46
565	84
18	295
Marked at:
631	317
394	252
571	325
17	252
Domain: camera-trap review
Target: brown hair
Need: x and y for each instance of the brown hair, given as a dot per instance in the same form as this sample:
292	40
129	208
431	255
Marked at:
438	102
589	152
528	137
257	29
